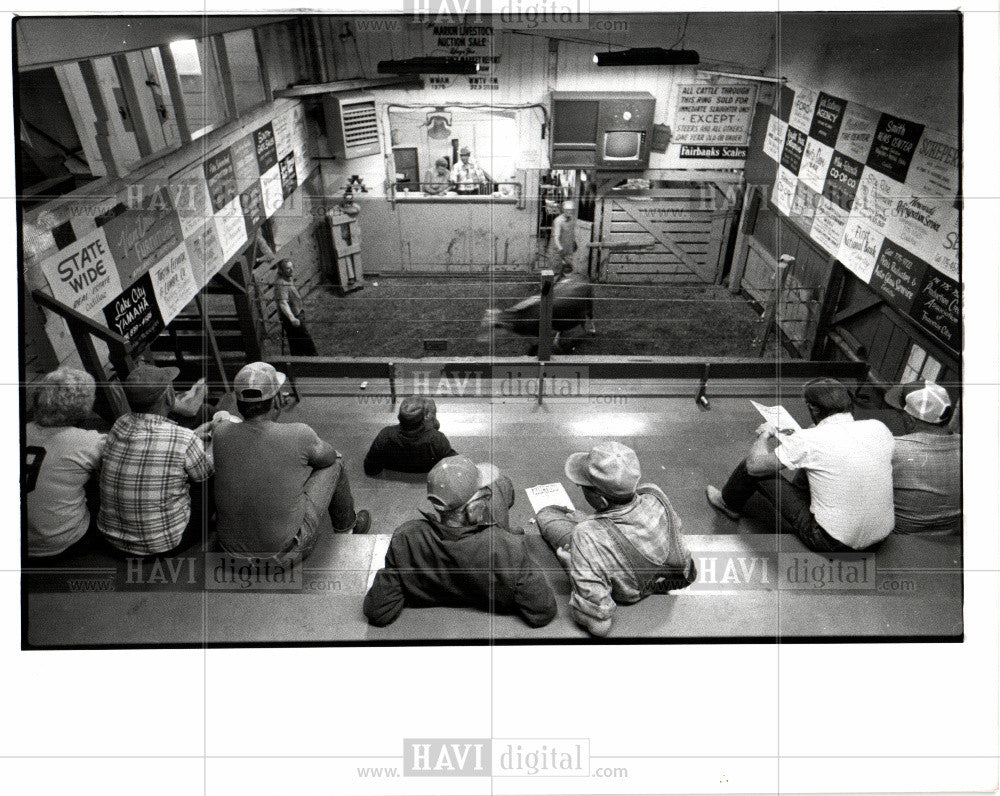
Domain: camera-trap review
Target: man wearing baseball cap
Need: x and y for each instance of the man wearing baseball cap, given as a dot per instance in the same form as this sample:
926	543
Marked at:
459	555
154	473
414	445
466	176
926	461
274	480
630	548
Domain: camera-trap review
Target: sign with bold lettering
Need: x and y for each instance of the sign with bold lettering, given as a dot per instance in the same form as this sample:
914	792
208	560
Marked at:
815	164
173	283
143	235
270	187
859	247
828	225
938	308
894	145
282	126
221	179
289	181
802	108
842	181
231	229
267	154
827	118
83	276
774	141
934	168
134	314
898	275
857	131
244	154
713	115
205	253
791	154
252	203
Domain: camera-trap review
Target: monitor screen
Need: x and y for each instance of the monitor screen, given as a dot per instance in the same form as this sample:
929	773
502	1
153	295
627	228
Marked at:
622	145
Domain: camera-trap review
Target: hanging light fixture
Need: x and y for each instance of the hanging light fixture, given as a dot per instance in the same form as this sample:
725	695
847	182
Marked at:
438	124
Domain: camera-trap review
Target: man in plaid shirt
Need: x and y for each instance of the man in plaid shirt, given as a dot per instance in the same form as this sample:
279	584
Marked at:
150	464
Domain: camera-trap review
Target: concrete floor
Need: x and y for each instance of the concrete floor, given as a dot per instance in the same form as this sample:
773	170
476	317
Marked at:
914	586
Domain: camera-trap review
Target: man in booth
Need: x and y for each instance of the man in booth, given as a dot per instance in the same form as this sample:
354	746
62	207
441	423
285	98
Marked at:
466	175
437	182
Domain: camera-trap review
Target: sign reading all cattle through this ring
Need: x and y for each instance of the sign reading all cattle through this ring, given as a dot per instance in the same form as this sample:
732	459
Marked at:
712	121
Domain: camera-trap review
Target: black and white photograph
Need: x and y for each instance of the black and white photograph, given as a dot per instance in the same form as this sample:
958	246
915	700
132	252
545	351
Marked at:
543	335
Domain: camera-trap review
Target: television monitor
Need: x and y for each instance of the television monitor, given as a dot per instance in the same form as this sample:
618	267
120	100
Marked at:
625	145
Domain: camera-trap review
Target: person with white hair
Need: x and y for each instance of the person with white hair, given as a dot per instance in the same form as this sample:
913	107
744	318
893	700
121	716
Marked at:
60	461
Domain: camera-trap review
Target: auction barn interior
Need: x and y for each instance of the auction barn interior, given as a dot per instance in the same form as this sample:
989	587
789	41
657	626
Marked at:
640	228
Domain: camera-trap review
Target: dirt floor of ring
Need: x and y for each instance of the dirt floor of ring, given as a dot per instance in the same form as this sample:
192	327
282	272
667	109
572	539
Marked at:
395	316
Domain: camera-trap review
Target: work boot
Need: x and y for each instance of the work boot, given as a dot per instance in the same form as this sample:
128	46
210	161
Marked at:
362	522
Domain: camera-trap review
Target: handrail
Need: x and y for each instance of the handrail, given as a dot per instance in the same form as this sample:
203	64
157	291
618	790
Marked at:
92	326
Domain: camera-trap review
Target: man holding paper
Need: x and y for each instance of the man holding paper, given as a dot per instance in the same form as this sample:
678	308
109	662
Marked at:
845	503
631	548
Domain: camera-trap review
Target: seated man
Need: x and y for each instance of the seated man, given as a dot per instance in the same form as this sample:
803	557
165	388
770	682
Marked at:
846	502
459	557
60	462
273	479
926	462
412	446
153	472
631	548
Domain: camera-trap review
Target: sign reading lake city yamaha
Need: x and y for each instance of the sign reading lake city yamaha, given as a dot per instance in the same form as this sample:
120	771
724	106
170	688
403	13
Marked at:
877	192
143	265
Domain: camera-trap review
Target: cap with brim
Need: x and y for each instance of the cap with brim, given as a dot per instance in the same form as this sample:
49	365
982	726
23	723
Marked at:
609	467
925	401
147	383
411	412
454	481
465	151
258	381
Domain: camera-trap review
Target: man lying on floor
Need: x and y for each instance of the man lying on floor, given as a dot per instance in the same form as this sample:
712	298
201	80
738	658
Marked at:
460	557
631	548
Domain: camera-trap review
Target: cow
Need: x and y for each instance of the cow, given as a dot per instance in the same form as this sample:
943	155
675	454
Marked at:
572	306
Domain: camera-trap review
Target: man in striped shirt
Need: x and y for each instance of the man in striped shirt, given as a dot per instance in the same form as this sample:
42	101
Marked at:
151	470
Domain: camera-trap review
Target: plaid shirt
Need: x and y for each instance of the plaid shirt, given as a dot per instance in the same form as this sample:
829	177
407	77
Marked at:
145	494
601	577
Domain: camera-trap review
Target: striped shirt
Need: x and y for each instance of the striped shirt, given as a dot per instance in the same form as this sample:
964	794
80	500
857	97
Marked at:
145	474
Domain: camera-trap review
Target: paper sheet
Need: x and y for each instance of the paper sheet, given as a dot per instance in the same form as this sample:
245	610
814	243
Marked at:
548	495
777	416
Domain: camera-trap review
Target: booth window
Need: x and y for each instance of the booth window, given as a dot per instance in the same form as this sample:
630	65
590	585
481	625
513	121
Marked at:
201	84
920	366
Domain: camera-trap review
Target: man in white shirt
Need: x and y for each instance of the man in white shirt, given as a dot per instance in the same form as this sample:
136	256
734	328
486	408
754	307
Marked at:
467	176
846	502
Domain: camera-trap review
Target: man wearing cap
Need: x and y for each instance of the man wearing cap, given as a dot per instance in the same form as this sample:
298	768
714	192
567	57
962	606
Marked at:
411	446
926	461
438	181
154	497
844	502
631	548
273	480
563	240
466	176
459	557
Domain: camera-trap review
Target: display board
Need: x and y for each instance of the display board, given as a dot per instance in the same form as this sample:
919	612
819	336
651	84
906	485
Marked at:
712	120
149	257
877	192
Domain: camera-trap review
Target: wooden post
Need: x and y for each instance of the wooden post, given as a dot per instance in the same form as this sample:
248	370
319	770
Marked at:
545	317
102	127
213	344
225	77
773	315
110	401
245	315
176	93
831	298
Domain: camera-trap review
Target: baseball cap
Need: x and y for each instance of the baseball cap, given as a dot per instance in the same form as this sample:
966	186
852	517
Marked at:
441	162
257	381
146	383
465	151
453	482
925	401
609	467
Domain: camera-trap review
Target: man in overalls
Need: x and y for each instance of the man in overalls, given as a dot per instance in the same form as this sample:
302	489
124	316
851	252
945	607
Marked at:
630	548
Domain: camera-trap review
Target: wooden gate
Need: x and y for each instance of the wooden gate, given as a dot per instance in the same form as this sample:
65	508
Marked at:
677	232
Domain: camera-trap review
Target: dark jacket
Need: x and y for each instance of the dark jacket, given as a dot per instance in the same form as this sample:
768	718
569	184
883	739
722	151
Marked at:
484	567
407	451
